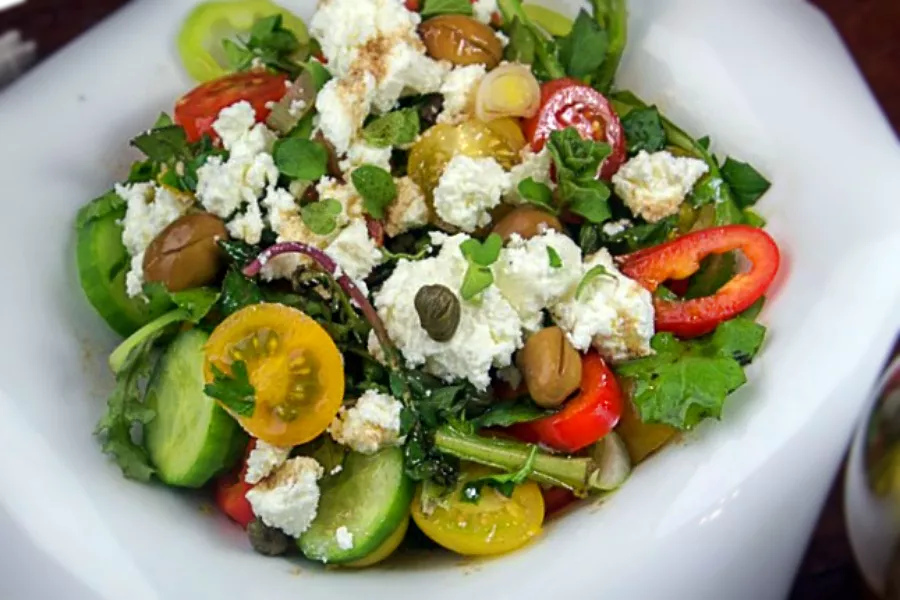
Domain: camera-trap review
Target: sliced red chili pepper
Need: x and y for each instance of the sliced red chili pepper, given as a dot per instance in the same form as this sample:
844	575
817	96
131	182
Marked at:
584	419
570	103
680	258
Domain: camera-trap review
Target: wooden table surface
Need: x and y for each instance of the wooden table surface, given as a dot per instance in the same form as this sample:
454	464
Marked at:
871	29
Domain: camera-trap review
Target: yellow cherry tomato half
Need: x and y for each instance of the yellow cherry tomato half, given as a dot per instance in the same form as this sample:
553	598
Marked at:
296	371
493	525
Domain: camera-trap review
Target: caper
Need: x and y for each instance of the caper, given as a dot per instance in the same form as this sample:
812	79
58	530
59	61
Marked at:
439	311
550	366
267	540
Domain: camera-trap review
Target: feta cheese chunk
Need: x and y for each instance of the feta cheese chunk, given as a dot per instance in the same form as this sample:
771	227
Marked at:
468	189
534	165
459	90
289	498
614	228
613	313
409	211
354	251
654	185
489	330
343	105
263	459
484	10
344	538
529	282
361	153
372	424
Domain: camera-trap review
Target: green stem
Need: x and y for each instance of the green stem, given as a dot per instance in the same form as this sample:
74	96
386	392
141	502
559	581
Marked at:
512	10
510	455
612	15
119	356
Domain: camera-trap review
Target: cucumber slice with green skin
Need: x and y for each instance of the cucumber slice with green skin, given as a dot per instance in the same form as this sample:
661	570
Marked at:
192	438
103	264
370	497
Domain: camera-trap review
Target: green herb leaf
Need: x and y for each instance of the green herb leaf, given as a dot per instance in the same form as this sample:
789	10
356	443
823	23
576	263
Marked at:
522	44
239	252
108	203
196	303
591	275
505	484
476	280
753	312
233	390
321	216
577	162
238	292
320	74
584	49
239	58
485	253
554	257
163	120
587	198
433	8
302	159
509	413
538	194
746	182
644	130
715	271
397	128
686	382
753	218
270	33
165	144
377	188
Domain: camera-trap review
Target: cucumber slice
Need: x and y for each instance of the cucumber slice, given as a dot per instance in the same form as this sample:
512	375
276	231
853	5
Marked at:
192	438
370	497
103	264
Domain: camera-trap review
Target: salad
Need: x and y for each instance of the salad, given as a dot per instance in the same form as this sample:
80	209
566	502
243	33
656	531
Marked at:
416	264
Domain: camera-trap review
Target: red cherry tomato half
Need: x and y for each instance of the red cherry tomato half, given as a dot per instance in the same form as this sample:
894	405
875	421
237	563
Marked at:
569	103
199	108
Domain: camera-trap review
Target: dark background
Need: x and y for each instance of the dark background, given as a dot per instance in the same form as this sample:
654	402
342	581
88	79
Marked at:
871	29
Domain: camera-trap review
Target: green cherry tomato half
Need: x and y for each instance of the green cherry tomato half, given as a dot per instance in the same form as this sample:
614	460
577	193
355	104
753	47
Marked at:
200	39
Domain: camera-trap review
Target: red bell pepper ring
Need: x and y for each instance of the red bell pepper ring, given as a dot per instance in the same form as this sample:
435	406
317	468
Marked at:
231	493
680	258
584	419
570	103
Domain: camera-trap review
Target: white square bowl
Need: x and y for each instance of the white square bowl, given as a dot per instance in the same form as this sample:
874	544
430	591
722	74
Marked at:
724	515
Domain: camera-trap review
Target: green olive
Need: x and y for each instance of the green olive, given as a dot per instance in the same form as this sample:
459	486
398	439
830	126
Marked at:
267	540
439	311
550	366
186	254
461	40
527	222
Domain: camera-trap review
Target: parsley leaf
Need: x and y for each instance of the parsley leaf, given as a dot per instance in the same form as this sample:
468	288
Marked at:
554	257
537	193
321	216
591	275
377	188
688	381
397	128
481	256
125	408
300	158
505	483
577	162
238	292
234	391
746	182
644	130
433	8
584	49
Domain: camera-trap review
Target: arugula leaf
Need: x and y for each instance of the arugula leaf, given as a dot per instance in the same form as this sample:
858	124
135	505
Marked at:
537	193
753	312
644	130
554	258
577	162
321	216
397	128
753	218
300	158
746	182
715	271
269	32
270	44
164	144
584	49
433	8
591	275
481	256
195	303
125	409
233	390
509	413
522	45
505	484
686	382
108	203
238	292
377	188
163	120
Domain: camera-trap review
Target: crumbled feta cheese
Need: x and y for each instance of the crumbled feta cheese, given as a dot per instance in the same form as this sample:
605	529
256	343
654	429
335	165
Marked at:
372	424
613	313
511	375
489	330
233	123
534	165
362	153
249	225
529	282
289	498
149	210
654	185
344	538
459	90
614	228
263	459
354	251
297	108
409	211
343	105
484	10
468	189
